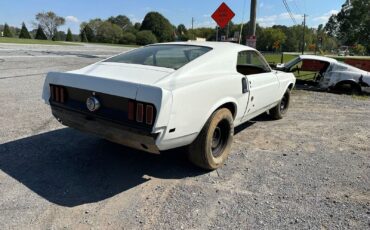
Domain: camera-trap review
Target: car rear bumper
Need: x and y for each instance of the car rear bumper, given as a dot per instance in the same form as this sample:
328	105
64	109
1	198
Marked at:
109	130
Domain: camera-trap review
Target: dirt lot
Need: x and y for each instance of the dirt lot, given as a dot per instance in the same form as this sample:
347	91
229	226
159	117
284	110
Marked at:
309	170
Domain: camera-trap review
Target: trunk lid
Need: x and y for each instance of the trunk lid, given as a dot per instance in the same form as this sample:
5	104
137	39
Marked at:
140	74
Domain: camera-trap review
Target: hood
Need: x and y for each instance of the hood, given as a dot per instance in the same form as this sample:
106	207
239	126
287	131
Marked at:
140	74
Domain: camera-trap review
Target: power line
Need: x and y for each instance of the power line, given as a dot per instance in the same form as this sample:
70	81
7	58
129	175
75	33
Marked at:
289	12
297	7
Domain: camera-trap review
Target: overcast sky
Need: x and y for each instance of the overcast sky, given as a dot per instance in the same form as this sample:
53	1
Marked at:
269	12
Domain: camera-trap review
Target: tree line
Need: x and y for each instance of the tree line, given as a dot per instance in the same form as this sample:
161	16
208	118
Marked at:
47	24
349	27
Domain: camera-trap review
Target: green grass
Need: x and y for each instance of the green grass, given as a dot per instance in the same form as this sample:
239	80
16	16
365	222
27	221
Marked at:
34	41
276	58
361	97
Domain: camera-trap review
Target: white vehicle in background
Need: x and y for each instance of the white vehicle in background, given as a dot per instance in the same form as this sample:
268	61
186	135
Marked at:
170	95
329	73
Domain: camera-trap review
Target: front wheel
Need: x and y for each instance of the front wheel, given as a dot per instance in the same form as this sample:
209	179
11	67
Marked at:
213	144
282	107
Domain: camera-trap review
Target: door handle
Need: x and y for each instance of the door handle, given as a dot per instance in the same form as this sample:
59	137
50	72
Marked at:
245	88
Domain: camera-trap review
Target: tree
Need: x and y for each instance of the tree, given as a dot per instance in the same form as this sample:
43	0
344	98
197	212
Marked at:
145	37
88	33
271	39
83	36
91	29
359	49
137	26
57	36
49	22
182	32
331	26
159	25
121	20
40	35
109	33
24	32
128	38
7	32
352	24
181	29
69	37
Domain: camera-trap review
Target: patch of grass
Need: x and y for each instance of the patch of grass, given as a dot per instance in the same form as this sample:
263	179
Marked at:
35	41
110	44
361	97
276	58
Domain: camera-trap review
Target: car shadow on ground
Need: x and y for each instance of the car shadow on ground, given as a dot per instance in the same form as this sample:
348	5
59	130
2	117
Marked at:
70	168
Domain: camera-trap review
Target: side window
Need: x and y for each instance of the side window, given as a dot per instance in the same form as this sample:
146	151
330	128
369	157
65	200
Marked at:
250	62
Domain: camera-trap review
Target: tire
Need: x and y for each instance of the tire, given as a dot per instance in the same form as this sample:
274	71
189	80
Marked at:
213	144
281	108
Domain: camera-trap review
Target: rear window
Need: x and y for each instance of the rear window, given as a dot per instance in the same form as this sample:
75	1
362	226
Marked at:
168	56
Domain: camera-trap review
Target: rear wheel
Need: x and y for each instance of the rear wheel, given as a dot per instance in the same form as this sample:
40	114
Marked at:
213	144
282	107
349	87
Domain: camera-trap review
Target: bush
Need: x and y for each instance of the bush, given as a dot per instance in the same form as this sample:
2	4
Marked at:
145	37
128	38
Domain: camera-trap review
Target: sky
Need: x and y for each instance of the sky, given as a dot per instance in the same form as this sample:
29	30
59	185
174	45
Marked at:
269	12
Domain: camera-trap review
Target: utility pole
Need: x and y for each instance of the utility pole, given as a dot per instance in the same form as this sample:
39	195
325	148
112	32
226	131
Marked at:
216	33
192	27
253	16
303	34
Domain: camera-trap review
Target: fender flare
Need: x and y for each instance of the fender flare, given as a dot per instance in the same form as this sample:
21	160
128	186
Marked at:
219	104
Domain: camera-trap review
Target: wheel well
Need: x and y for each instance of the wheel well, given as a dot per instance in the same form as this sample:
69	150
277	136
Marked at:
352	83
290	87
230	106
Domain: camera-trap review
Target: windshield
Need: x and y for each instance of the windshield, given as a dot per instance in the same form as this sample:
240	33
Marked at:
168	56
292	62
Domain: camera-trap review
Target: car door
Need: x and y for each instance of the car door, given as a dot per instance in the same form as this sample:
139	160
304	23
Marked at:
263	84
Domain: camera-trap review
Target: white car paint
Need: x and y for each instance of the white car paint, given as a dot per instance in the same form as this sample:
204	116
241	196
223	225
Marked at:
184	98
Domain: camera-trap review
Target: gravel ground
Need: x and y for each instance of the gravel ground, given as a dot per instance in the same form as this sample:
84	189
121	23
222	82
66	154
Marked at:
308	171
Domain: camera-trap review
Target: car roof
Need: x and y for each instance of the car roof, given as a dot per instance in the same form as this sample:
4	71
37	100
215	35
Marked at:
319	58
214	45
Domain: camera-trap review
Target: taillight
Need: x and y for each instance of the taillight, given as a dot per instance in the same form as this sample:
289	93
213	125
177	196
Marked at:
149	114
58	93
131	110
140	112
